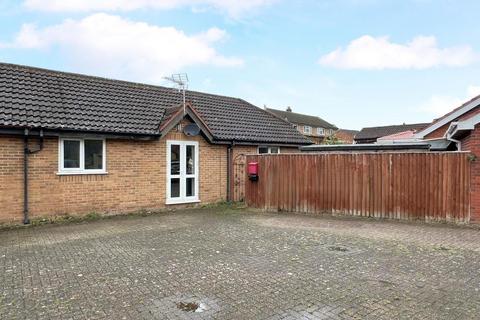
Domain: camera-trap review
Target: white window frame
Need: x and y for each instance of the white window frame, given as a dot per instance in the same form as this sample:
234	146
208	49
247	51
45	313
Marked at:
183	175
81	170
309	131
269	149
320	131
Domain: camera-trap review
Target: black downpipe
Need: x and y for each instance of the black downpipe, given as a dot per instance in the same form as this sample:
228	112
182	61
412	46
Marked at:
229	172
26	153
26	219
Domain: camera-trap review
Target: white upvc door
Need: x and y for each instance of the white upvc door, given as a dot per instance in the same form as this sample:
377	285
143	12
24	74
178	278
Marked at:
182	172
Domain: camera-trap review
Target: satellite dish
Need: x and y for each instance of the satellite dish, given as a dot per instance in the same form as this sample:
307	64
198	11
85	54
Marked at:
191	129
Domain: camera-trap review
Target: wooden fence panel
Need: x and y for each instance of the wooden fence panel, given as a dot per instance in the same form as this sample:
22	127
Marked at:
427	186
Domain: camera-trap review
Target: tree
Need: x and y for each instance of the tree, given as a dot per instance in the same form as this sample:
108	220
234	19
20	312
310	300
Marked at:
332	139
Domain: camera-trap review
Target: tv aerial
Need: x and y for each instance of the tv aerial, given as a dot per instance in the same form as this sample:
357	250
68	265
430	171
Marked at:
180	81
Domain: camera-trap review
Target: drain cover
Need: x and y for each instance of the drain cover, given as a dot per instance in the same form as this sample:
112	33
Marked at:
196	306
338	248
188	306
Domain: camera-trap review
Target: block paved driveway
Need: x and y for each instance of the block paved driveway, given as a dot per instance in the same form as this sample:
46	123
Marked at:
236	264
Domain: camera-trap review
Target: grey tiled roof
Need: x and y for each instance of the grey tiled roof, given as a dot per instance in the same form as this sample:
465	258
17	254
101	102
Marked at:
39	98
377	132
304	119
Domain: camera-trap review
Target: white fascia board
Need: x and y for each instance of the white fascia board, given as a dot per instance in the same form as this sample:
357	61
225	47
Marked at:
467	107
466	125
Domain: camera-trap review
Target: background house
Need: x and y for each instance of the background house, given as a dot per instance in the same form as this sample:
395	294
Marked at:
75	144
372	134
346	136
313	127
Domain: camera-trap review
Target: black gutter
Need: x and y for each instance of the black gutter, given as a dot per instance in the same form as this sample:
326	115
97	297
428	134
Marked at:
26	153
56	133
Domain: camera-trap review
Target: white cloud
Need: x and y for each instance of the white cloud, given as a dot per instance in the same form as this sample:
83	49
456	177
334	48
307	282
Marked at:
232	7
438	105
422	52
123	48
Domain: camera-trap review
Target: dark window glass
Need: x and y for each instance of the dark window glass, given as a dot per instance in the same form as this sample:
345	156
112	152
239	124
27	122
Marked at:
175	159
190	163
175	188
71	154
263	150
274	150
93	154
190	187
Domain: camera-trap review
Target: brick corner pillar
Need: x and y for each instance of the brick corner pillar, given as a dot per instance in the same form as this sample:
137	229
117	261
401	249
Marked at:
475	190
472	143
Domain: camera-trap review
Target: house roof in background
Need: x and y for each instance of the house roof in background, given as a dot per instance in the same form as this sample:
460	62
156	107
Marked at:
409	134
378	132
298	118
39	98
348	131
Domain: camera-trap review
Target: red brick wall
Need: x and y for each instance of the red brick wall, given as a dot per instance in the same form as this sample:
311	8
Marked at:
11	178
136	178
472	143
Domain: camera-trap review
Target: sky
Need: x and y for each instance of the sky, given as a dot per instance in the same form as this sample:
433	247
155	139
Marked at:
354	63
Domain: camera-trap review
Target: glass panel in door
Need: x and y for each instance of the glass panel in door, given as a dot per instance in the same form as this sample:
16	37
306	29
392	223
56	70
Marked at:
175	159
190	163
190	192
175	171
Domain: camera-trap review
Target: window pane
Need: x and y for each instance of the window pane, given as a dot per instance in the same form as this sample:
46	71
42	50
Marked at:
175	159
175	188
71	154
93	154
190	187
274	150
190	163
263	150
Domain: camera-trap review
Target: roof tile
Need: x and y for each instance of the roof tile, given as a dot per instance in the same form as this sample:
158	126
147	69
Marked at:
40	98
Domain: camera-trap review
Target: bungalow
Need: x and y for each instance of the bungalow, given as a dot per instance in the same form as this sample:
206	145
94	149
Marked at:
75	144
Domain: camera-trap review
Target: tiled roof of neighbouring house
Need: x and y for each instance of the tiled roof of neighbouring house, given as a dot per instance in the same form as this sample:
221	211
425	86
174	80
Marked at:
39	98
348	131
378	132
303	119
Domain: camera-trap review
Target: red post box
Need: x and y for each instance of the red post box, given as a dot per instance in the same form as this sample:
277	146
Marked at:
253	171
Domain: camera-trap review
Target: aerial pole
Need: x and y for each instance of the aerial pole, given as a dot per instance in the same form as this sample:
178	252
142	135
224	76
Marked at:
180	81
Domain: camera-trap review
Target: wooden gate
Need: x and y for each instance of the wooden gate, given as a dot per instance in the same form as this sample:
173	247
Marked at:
426	186
239	164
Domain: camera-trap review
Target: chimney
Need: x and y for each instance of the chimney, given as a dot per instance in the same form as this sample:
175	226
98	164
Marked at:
289	109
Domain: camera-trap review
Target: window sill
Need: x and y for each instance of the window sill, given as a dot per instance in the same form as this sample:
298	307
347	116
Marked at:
77	173
170	201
